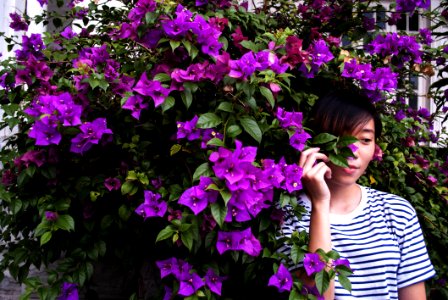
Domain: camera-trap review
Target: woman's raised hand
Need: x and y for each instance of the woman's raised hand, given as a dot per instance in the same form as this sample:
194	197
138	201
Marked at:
315	171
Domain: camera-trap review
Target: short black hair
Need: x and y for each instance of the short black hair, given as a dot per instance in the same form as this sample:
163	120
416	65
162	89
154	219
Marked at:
341	111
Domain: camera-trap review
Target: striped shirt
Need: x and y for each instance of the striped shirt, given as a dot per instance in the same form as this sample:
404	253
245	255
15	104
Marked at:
382	240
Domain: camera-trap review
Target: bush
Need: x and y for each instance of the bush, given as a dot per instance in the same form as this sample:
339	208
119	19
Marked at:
166	134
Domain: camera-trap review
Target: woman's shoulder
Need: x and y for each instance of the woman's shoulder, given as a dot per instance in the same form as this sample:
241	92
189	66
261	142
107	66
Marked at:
390	202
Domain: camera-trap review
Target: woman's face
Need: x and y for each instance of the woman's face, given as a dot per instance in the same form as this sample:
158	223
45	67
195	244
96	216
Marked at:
365	134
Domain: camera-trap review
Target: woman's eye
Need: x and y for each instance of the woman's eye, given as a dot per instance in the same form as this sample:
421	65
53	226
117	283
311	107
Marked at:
365	141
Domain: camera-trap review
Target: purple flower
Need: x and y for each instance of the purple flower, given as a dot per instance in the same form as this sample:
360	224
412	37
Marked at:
289	119
293	177
341	262
233	166
282	279
136	104
197	197
425	35
167	266
91	133
352	147
313	263
152	88
51	216
18	23
8	177
402	49
361	72
152	207
68	33
69	291
411	5
298	139
180	25
141	8
189	284
188	129
32	156
311	290
243	67
238	240
248	243
168	293
42	2
112	183
432	180
31	46
320	53
213	281
400	115
45	132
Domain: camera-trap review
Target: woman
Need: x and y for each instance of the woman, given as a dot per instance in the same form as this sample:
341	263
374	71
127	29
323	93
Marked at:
377	232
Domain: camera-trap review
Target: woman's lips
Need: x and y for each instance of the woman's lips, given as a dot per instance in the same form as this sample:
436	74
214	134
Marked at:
350	170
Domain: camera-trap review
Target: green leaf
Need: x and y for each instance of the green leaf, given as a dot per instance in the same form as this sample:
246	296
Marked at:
297	254
226	195
234	131
162	77
249	45
322	281
16	206
251	127
174	44
267	93
208	120
203	170
124	212
65	222
346	284
129	188
168	103
175	148
106	221
187	239
338	160
166	233
323	138
187	97
45	238
225	106
346	140
215	142
219	213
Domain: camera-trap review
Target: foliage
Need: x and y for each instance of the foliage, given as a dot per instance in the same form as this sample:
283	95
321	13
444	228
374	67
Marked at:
167	134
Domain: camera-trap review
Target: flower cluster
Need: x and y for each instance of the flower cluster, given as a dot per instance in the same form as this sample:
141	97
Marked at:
18	23
96	68
292	121
188	130
197	198
380	79
189	280
411	5
250	62
153	206
319	54
401	49
251	187
238	240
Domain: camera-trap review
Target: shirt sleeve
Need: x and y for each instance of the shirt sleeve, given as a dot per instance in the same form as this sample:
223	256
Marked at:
415	265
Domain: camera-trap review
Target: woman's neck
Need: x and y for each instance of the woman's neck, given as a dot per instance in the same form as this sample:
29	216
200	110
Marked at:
344	199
